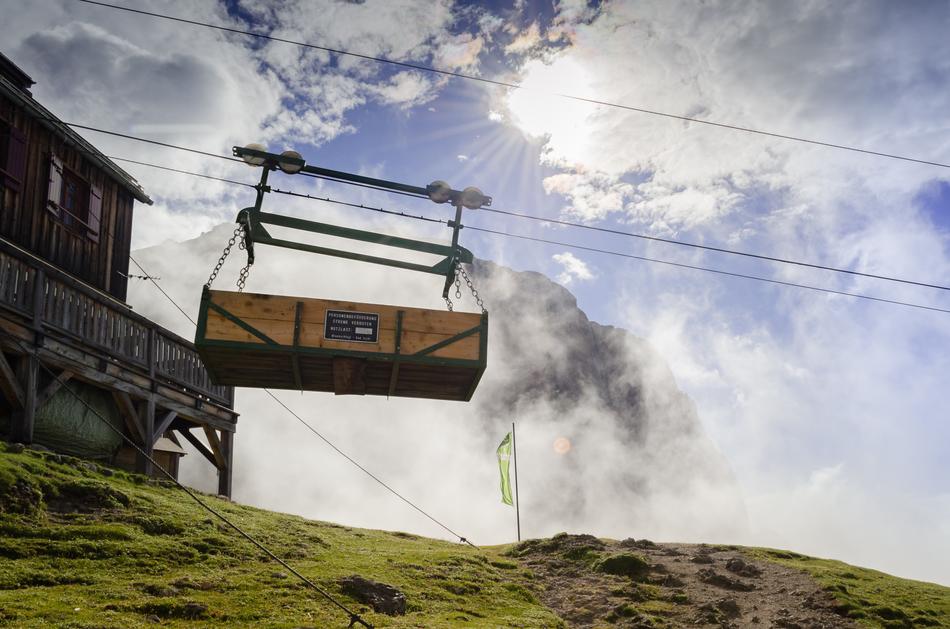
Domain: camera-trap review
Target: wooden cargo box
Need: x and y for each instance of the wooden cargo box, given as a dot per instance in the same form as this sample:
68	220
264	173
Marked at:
253	340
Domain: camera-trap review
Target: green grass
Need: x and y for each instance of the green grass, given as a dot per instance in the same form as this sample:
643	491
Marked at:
81	549
78	549
868	596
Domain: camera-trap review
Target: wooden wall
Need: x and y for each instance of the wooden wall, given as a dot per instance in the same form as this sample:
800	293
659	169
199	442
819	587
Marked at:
101	261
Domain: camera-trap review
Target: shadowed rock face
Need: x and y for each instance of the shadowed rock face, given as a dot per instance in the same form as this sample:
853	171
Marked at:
610	393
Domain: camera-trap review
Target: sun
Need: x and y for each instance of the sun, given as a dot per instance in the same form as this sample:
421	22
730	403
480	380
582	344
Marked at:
538	111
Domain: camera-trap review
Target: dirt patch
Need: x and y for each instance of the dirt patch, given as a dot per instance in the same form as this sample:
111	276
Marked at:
673	585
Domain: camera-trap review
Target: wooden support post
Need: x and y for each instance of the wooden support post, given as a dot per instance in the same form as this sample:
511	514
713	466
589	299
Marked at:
123	402
58	381
39	305
10	385
397	347
146	414
21	429
150	358
224	473
294	359
162	425
202	448
212	436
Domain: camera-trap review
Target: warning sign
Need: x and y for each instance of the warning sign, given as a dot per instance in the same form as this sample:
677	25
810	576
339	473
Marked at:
346	325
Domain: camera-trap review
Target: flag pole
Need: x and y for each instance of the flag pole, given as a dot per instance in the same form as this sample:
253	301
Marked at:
514	452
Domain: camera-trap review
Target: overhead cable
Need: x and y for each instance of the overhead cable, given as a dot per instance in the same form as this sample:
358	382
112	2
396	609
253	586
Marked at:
523	215
183	172
628	255
518	86
153	279
309	427
146	140
353	616
706	269
734	252
615	253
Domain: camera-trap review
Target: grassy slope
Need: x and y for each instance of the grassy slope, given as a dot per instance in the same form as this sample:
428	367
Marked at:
147	549
871	597
137	549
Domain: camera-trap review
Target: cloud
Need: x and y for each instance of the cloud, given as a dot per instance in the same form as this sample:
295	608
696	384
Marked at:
828	409
199	87
640	460
574	268
406	89
647	55
525	40
826	406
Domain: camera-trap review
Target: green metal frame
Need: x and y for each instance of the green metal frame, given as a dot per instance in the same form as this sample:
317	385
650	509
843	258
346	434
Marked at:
254	220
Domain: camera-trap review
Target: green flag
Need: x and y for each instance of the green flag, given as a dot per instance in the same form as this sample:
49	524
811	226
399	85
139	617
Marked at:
504	458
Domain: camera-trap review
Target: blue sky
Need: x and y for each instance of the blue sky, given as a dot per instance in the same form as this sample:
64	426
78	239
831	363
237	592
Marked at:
831	410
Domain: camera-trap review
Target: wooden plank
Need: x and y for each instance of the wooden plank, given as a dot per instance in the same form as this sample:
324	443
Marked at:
215	444
224	474
282	308
54	386
86	366
146	414
22	420
10	385
312	335
130	415
348	376
200	447
241	367
90	316
162	424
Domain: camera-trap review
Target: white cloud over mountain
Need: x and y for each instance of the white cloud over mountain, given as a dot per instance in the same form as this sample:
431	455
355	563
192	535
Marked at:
831	410
789	382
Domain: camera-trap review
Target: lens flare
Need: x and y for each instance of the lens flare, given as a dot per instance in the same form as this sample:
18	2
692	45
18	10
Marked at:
562	445
566	124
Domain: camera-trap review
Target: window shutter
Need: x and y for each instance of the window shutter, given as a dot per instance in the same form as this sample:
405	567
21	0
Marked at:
95	211
55	195
16	159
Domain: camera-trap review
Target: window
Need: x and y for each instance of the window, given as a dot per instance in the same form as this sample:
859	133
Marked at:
12	156
73	200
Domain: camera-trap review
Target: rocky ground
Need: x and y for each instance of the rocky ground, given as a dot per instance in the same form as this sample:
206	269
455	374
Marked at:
637	583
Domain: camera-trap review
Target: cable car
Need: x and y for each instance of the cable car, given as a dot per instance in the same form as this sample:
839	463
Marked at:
348	348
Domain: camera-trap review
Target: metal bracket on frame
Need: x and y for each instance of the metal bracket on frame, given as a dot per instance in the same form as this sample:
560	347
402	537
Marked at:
254	219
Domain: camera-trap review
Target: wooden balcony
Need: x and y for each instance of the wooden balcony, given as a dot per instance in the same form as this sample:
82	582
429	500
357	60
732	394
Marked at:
157	378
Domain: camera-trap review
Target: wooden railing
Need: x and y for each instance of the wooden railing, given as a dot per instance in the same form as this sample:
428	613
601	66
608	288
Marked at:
55	301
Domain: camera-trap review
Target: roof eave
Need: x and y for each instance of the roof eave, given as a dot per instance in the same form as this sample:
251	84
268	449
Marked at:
57	126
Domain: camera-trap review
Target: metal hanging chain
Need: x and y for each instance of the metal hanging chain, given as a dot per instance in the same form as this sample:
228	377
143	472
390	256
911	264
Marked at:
224	254
239	231
471	287
242	277
458	290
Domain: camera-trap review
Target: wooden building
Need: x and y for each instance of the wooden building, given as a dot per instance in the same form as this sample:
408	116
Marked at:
74	355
